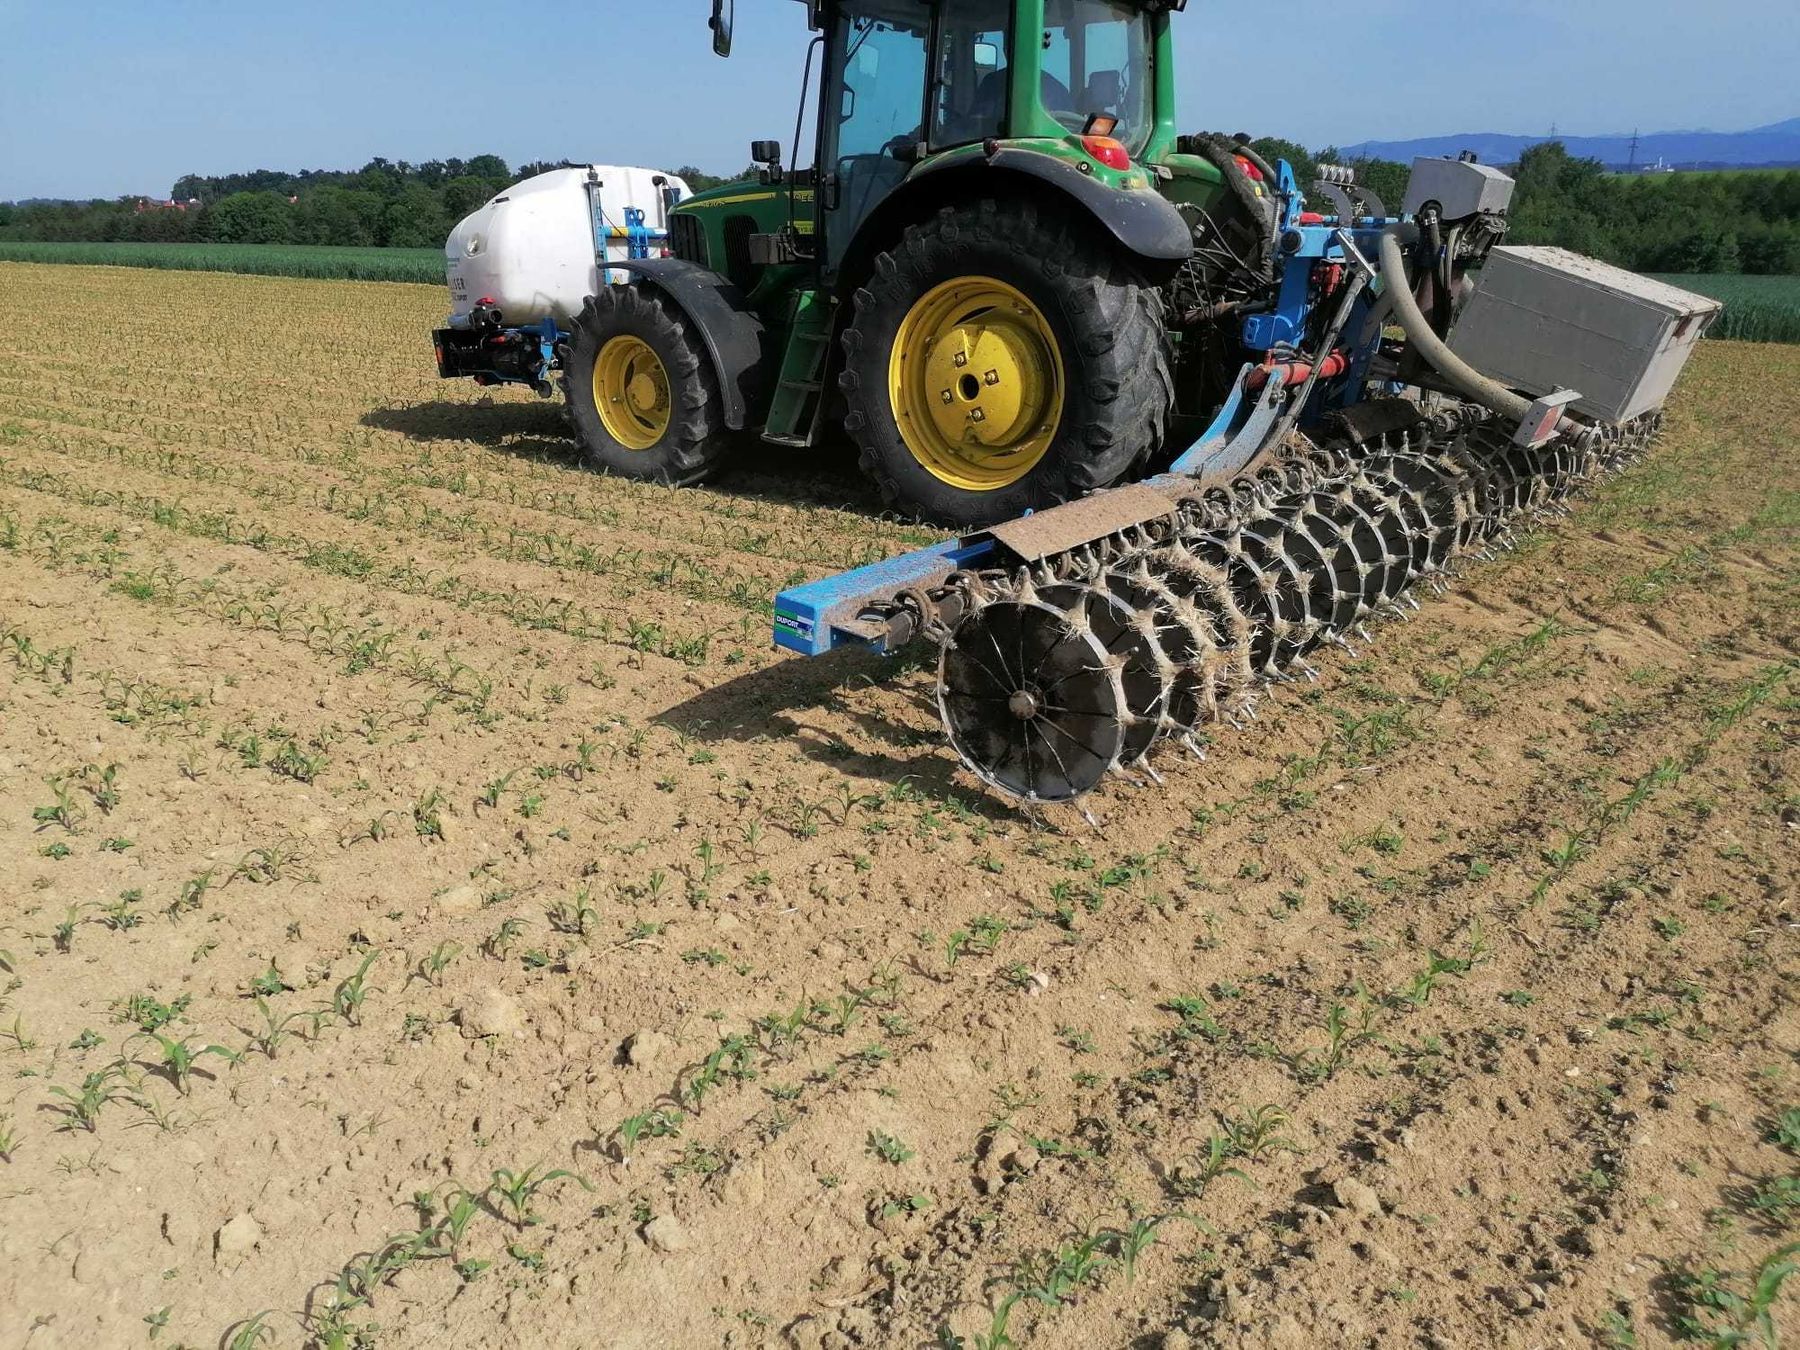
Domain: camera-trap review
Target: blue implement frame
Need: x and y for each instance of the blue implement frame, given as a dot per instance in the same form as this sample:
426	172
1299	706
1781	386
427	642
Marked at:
834	612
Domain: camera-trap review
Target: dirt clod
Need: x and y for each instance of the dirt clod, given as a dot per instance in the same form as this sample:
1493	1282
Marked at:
665	1233
237	1238
491	1012
1358	1197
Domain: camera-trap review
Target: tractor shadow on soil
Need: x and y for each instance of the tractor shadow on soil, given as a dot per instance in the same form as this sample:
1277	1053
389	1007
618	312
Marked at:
824	476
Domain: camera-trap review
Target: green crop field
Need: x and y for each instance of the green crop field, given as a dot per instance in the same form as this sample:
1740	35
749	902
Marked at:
1757	309
278	260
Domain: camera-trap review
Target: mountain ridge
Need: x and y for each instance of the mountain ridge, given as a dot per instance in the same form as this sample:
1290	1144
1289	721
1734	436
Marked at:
1775	145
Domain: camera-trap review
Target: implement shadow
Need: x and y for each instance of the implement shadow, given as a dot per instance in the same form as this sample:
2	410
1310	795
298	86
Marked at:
821	476
757	707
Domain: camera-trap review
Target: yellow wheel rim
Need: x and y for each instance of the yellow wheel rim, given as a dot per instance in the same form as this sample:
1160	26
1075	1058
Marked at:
631	393
976	380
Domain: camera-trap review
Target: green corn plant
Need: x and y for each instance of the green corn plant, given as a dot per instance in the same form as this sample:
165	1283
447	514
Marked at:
1256	1135
250	1333
9	1137
434	963
659	1124
491	791
193	893
347	999
1209	1164
461	1205
275	1028
781	1032
102	785
1341	1037
1132	1241
427	815
500	942
98	1090
63	935
517	1190
178	1057
16	1034
577	917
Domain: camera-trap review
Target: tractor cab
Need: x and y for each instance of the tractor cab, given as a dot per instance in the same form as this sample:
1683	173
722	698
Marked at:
906	81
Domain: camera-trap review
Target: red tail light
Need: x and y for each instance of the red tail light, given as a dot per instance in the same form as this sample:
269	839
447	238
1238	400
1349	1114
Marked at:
1108	151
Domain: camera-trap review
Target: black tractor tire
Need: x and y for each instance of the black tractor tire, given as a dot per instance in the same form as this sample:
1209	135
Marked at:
1108	326
695	443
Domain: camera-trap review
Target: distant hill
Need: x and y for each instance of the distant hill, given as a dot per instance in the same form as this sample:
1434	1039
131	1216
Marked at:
1777	145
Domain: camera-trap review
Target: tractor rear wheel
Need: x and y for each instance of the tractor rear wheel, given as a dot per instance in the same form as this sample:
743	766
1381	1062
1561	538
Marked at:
641	391
1003	359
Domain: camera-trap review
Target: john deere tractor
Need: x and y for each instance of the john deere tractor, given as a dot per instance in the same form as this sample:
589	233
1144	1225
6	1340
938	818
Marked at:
969	282
1013	286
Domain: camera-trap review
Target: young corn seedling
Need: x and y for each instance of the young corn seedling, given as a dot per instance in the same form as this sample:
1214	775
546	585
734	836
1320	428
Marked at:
1257	1134
23	1043
1207	1165
492	790
461	1205
781	1032
62	811
517	1190
102	785
1341	1037
275	1029
730	1060
251	1333
347	999
662	1124
179	1057
63	935
427	816
9	1138
434	963
98	1090
577	917
1137	1237
193	893
500	942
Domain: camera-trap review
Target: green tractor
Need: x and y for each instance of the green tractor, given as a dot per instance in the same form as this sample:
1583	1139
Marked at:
972	282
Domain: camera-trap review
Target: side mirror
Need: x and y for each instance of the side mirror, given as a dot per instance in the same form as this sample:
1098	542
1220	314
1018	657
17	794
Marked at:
724	11
766	153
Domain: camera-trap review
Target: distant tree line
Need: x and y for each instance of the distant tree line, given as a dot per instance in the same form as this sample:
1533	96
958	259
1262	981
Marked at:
1685	222
385	203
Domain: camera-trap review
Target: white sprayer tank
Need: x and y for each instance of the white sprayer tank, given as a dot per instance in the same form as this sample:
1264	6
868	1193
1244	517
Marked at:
531	249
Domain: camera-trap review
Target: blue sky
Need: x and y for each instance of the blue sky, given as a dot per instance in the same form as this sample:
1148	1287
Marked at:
104	97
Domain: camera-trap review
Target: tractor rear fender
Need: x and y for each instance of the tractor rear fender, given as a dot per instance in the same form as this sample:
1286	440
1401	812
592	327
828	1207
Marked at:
734	337
1141	222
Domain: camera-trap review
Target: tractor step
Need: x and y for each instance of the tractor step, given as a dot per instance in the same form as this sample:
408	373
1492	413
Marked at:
793	412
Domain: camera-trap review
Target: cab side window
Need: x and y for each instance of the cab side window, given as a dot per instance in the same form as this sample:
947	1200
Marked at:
970	73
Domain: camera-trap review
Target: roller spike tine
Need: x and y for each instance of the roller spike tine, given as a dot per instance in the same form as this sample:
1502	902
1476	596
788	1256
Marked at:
1088	816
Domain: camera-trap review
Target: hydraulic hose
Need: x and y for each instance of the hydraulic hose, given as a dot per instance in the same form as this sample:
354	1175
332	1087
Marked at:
1462	376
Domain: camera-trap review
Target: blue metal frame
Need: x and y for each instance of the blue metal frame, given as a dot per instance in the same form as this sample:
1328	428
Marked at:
812	619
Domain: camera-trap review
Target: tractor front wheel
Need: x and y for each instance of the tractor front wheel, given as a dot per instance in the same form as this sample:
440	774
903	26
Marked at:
641	390
1002	359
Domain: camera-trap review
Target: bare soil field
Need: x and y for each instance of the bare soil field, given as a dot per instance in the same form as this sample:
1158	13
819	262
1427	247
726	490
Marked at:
431	915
